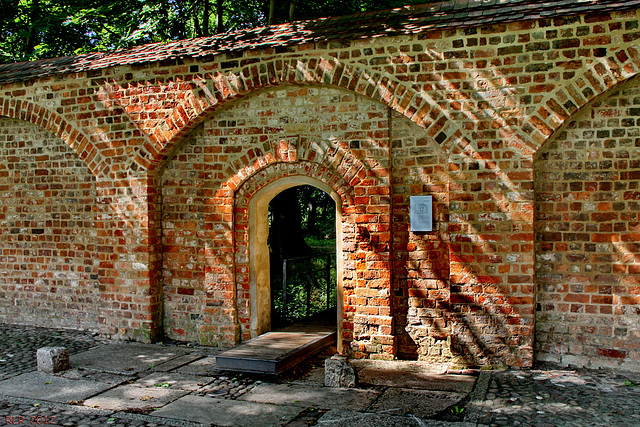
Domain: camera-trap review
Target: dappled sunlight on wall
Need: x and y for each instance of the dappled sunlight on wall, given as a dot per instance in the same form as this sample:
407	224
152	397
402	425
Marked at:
588	234
47	230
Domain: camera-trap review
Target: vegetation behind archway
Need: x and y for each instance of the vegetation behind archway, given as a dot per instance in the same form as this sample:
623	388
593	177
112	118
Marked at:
302	249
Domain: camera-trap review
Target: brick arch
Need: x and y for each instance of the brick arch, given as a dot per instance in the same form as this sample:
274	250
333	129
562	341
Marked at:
293	158
54	123
595	177
594	81
251	202
227	260
219	88
279	170
345	167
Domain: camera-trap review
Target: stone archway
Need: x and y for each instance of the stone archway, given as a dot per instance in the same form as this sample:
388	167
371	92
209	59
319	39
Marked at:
259	266
240	154
252	253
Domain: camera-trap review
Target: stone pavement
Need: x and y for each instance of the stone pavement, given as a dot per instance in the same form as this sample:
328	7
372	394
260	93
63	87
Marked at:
131	384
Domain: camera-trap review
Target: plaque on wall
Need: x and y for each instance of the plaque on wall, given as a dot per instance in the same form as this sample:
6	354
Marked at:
421	213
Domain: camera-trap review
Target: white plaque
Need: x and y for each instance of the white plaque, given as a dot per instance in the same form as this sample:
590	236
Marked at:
421	213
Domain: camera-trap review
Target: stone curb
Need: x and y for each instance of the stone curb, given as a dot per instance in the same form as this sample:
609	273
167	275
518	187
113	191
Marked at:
477	396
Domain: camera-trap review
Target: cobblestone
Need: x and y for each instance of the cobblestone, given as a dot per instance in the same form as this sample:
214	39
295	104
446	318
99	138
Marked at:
553	396
20	343
13	412
229	388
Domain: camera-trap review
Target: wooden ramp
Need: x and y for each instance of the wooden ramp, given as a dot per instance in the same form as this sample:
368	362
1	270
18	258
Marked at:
278	351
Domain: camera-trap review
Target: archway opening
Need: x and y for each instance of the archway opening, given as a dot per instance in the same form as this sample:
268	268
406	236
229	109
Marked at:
302	249
261	301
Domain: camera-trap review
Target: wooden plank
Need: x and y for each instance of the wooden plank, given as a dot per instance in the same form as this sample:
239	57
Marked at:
278	351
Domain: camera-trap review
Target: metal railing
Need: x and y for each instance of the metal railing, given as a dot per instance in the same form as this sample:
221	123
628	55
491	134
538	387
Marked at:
308	286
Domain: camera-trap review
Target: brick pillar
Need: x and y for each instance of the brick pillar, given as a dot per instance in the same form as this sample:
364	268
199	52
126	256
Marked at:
129	253
368	285
220	323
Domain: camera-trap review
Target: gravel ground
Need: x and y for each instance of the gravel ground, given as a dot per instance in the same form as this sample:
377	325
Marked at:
561	397
19	412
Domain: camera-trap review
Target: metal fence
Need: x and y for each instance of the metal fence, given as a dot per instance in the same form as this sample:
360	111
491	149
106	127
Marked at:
308	287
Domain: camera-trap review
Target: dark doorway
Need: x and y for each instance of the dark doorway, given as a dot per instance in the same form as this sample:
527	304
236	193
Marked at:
302	246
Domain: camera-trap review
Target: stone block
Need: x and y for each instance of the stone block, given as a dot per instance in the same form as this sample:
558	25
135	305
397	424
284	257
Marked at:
53	359
339	372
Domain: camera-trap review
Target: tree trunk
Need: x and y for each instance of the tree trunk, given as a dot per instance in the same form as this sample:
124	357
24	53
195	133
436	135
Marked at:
285	234
197	29
312	218
205	19
219	13
292	7
32	41
272	10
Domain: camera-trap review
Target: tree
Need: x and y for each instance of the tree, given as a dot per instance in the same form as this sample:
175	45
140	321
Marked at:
35	29
286	237
302	223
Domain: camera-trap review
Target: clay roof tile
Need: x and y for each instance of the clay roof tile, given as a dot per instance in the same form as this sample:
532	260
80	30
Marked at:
404	20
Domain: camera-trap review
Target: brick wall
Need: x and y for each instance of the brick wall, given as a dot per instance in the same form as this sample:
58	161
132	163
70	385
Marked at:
48	268
420	260
587	241
178	149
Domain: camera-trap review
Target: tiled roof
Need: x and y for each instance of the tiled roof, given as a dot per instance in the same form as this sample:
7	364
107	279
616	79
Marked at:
406	20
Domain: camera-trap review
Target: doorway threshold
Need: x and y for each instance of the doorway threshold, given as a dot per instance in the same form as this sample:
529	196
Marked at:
277	351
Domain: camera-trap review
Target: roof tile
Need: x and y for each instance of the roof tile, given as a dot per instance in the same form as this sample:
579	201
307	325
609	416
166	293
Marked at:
405	20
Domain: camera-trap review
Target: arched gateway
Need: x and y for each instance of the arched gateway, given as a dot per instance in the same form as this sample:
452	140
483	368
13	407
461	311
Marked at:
259	265
257	155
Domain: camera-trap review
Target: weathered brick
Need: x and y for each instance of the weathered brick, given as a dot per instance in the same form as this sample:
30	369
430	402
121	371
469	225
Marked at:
151	173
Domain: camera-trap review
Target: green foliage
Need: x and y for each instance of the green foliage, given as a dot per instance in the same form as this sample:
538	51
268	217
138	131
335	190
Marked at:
302	232
320	243
311	288
318	214
457	410
36	29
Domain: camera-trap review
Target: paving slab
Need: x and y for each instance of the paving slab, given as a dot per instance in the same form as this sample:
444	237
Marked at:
179	361
222	412
126	359
203	367
308	395
98	376
174	381
130	397
52	388
413	375
421	403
